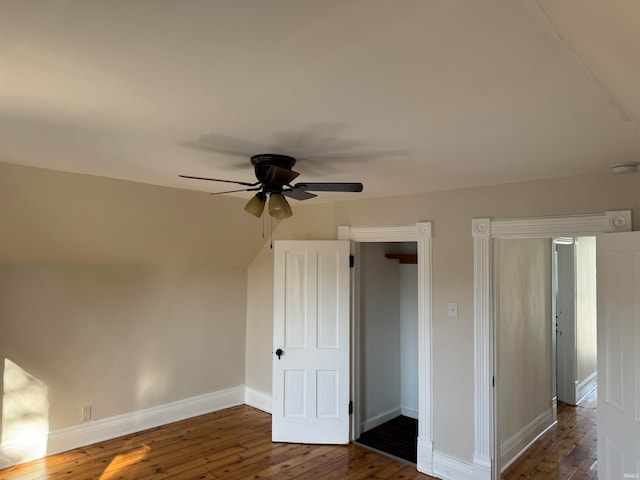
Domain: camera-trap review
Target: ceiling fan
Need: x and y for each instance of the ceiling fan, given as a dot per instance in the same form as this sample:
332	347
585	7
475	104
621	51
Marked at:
274	173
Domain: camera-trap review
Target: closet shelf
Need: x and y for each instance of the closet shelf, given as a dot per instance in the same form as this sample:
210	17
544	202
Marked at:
403	258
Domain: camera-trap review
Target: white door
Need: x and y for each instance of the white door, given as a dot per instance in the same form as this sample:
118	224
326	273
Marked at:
618	267
566	324
311	342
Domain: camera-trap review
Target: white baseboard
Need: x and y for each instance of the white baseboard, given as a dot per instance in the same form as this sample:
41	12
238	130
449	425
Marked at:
451	468
409	412
585	387
425	456
380	419
516	445
482	468
116	426
257	399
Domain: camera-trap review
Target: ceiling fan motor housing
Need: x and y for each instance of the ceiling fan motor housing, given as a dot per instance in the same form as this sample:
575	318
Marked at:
263	162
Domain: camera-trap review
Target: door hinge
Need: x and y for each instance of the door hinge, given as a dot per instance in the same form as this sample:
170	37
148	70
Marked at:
350	407
352	261
493	381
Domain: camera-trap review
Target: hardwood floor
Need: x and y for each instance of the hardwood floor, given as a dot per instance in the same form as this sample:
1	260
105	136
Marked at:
229	444
568	452
236	444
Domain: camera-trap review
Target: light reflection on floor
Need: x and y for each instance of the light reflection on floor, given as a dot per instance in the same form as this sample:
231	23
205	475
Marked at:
123	460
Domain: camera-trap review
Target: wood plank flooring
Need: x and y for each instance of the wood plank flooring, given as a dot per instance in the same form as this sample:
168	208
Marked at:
567	452
236	444
229	444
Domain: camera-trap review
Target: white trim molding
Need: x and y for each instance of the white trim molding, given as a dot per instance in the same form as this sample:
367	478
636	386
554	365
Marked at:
409	412
408	233
483	231
107	428
373	422
518	443
483	339
257	399
421	234
585	387
569	226
451	468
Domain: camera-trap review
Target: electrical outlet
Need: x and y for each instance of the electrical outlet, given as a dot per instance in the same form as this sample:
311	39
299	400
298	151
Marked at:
86	413
452	309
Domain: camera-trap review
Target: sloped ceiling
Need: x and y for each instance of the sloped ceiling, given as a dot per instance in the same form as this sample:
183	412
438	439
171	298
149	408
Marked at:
605	36
405	96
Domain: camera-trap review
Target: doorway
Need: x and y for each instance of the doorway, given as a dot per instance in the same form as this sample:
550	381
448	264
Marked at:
420	233
485	230
576	318
388	280
545	342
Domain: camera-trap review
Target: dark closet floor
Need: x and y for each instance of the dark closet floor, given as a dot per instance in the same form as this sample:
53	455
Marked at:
397	437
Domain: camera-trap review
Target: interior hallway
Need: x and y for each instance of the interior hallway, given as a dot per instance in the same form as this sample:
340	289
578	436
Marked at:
568	452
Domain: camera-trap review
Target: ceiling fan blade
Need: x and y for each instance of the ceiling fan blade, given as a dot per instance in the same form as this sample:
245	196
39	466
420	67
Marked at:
298	194
219	180
234	191
330	187
348	156
315	137
208	148
226	144
281	175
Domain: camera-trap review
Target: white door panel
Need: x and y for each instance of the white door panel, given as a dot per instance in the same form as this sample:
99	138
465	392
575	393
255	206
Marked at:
311	327
566	324
618	355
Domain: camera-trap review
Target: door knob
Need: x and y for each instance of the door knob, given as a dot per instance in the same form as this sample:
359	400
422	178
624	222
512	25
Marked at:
279	352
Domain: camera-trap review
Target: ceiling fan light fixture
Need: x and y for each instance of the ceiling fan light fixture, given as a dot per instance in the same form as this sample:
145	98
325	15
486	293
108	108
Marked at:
255	206
274	175
279	207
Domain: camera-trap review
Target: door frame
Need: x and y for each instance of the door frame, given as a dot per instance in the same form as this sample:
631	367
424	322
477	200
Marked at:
421	234
484	230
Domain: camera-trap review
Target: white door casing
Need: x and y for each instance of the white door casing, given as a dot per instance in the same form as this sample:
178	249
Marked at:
618	283
421	234
483	231
311	327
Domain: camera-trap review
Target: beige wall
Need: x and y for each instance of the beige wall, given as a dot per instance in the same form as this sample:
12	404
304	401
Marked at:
523	311
56	217
259	339
122	338
118	294
586	308
451	213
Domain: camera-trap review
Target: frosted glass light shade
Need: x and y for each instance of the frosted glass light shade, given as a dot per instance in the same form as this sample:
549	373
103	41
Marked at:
279	207
255	206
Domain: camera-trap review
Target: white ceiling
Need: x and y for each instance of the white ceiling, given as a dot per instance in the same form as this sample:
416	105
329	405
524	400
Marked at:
413	95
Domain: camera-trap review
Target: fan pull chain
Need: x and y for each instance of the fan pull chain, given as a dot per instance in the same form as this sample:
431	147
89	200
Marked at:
262	224
271	232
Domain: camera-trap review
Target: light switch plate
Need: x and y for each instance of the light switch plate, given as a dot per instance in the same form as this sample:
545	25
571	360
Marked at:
452	309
